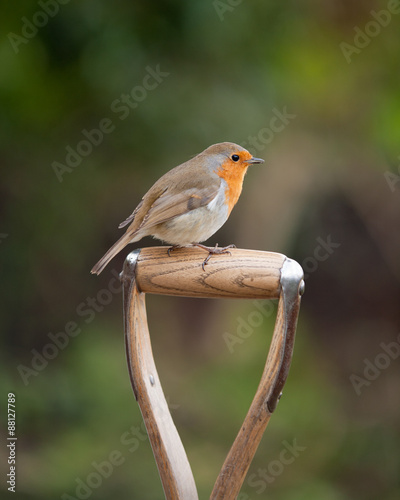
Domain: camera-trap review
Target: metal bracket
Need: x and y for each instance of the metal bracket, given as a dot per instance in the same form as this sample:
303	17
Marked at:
293	287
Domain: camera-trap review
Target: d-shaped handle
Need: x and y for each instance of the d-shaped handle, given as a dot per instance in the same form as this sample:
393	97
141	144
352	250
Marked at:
242	274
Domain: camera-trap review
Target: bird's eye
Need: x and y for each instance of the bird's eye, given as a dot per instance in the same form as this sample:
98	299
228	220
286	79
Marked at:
235	157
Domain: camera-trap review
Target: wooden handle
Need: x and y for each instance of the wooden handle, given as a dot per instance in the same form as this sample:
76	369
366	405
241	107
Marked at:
246	274
273	379
243	274
173	465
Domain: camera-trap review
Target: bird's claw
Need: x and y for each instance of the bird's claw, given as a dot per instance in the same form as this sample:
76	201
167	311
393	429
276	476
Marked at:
214	251
172	248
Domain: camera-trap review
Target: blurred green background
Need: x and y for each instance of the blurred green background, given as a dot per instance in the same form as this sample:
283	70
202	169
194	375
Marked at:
327	196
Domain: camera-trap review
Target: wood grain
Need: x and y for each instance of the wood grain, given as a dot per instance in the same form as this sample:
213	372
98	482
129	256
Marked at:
247	274
169	453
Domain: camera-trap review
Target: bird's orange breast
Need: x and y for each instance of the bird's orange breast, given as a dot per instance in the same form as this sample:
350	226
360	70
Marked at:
234	179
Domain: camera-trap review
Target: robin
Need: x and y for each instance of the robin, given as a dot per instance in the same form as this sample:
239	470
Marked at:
189	203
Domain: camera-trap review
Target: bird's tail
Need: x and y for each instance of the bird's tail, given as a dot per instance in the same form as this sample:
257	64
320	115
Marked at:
111	253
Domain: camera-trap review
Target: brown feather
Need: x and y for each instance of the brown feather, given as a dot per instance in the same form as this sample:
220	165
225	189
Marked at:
175	193
168	206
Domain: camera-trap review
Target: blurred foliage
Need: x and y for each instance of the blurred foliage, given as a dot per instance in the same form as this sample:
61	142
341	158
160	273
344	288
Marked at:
324	176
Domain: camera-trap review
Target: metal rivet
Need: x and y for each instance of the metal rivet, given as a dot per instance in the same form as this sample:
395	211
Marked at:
152	381
302	288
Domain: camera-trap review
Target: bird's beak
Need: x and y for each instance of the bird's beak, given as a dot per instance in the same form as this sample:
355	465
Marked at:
253	160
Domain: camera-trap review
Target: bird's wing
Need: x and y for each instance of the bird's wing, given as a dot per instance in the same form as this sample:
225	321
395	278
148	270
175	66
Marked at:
170	205
166	200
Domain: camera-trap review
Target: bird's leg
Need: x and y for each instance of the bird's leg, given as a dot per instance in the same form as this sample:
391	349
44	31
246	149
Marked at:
212	251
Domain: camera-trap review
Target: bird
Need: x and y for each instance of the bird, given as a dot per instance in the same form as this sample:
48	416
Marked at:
189	203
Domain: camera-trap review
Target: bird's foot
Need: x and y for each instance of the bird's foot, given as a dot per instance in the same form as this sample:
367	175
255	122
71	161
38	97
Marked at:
174	247
213	251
